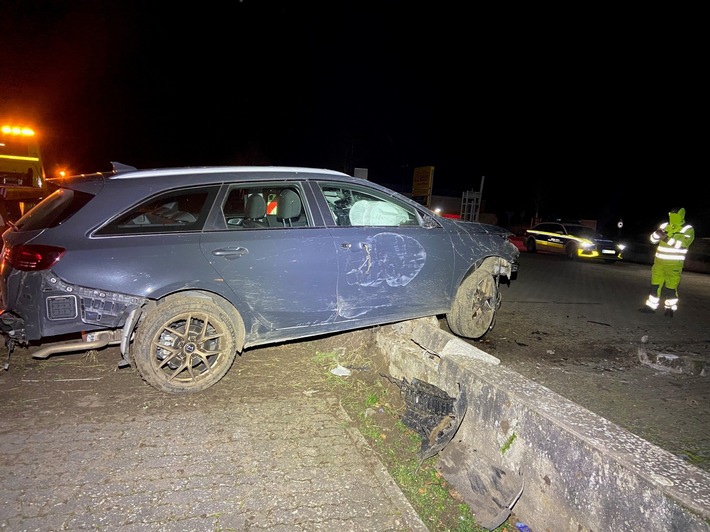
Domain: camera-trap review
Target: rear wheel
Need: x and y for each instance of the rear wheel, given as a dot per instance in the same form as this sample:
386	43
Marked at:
185	345
474	310
530	245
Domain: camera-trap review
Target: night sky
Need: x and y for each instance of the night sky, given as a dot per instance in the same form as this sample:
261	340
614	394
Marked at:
594	114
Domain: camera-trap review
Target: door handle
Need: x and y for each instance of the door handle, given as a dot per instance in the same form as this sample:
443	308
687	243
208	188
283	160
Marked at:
230	253
359	246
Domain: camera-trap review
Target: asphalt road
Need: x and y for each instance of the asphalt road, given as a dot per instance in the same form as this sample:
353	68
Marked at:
609	293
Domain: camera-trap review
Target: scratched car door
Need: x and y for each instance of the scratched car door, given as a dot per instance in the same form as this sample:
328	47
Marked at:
391	267
285	272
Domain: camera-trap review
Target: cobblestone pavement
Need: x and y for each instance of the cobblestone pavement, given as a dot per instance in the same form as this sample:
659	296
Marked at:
87	446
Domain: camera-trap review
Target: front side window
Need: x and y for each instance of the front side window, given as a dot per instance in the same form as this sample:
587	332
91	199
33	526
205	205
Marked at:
353	206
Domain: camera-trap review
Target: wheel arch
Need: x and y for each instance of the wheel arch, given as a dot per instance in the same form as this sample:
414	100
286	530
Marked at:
499	267
208	287
571	249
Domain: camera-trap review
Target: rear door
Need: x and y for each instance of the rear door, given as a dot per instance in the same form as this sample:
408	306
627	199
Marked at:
285	270
550	237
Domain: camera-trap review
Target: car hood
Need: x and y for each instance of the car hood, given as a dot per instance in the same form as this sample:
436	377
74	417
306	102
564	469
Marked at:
478	228
474	234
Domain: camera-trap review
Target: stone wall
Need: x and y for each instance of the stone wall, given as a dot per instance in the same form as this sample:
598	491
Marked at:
577	471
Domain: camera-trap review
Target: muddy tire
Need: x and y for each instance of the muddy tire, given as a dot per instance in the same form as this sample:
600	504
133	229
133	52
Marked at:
185	345
474	310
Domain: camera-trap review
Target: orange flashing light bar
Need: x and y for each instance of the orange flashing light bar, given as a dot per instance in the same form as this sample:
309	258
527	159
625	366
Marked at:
17	130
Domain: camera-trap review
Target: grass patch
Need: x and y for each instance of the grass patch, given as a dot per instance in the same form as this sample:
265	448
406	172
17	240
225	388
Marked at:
376	406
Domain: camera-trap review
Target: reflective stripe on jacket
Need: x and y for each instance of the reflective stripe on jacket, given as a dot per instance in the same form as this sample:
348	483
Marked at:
676	248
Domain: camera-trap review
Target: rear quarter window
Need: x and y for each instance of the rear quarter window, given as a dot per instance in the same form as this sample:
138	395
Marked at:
174	211
59	206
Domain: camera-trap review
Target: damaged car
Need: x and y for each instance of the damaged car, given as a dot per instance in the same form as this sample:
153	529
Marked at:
185	268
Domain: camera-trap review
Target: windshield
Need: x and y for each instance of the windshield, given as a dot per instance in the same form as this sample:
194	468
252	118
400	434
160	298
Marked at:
583	231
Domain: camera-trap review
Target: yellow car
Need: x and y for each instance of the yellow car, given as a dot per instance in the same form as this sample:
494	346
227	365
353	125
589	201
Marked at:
574	240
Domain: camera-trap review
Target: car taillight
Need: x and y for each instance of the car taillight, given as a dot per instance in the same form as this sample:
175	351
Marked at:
30	257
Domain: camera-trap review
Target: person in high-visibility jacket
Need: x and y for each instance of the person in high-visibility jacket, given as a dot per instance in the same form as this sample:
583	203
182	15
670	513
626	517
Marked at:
673	239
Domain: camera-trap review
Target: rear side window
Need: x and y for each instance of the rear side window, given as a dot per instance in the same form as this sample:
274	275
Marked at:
177	210
56	208
264	206
549	228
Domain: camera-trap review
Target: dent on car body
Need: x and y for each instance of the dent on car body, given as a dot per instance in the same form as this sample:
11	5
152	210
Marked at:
386	260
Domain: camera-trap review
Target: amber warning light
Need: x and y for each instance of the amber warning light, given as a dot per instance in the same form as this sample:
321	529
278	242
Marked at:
19	131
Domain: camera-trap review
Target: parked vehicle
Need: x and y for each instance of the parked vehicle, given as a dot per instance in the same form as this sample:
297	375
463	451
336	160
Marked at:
185	268
573	239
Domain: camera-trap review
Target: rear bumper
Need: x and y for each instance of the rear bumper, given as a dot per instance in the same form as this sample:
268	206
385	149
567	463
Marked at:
49	307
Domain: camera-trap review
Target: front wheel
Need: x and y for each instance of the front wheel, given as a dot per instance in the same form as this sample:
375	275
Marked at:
185	345
474	310
571	251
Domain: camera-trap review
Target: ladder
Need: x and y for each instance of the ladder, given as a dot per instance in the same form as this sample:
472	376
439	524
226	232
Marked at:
471	204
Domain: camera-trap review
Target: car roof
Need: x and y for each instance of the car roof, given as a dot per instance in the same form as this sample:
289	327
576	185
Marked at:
565	224
561	222
122	171
160	178
127	178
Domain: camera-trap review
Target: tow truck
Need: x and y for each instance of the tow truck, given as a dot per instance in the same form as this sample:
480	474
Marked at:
23	181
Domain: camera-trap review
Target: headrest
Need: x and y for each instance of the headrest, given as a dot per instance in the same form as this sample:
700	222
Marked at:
256	207
288	205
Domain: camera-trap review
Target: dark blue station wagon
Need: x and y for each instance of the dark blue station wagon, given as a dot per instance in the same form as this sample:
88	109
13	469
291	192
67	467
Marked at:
187	267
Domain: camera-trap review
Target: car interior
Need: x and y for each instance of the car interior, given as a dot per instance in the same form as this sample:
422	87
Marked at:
264	208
